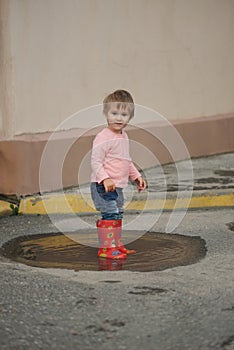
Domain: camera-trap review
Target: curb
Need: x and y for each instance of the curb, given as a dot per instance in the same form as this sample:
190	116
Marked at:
76	203
60	203
5	208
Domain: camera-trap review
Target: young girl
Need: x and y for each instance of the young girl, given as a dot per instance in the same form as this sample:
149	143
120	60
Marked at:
111	168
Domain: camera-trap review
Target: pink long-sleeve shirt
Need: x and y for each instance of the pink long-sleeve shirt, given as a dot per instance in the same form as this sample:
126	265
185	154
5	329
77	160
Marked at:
110	158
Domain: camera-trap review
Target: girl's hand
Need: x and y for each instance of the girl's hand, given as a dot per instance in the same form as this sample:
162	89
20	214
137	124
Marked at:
141	184
109	185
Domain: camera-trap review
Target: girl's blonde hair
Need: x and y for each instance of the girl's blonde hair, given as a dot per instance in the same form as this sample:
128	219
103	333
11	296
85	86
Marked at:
122	98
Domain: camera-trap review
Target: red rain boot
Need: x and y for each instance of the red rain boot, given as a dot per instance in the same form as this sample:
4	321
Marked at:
118	241
106	235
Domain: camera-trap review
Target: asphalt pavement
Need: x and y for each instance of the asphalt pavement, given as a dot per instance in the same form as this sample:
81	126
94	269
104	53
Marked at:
181	308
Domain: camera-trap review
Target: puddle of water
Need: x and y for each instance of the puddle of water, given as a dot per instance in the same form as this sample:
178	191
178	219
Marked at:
155	252
207	180
223	180
228	344
224	172
230	225
148	291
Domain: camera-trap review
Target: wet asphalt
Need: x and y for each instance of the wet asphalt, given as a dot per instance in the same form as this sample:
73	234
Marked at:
184	307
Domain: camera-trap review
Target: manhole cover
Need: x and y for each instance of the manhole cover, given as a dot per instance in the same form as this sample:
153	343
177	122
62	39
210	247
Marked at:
155	251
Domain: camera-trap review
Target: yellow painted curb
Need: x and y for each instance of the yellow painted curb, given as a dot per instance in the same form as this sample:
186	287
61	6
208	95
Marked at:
75	203
5	208
56	204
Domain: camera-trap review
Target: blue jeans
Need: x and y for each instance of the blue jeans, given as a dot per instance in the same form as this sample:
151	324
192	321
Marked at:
110	204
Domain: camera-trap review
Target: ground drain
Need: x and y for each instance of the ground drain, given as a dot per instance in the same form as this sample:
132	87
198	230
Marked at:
155	251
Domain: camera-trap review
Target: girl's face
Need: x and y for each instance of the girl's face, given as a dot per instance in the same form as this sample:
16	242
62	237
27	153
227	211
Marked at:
117	118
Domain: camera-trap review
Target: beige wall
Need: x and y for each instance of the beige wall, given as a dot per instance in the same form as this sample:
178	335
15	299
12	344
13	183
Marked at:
59	56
